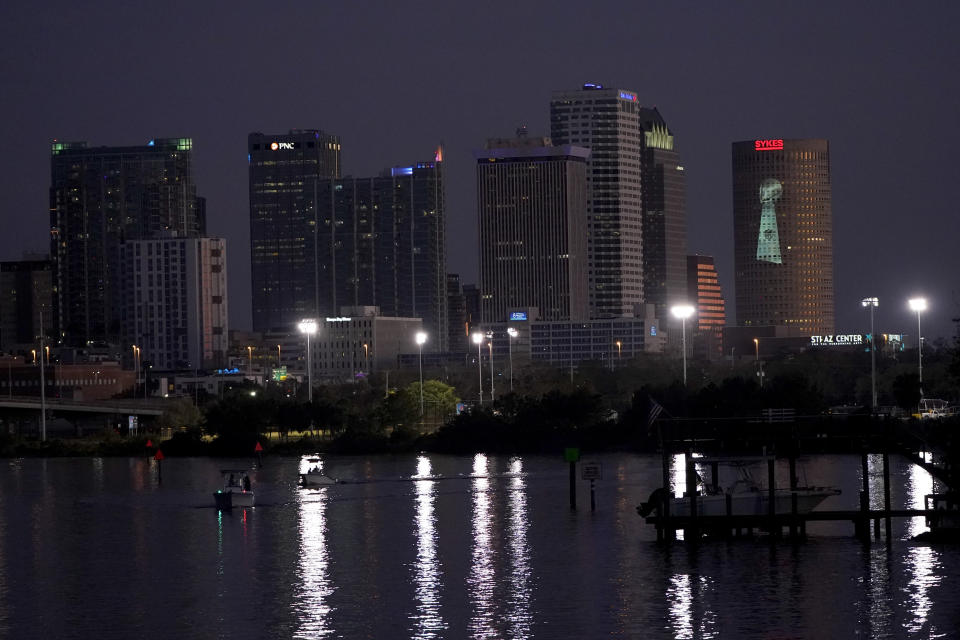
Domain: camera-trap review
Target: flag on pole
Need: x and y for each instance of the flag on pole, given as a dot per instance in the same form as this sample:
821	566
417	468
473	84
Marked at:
655	410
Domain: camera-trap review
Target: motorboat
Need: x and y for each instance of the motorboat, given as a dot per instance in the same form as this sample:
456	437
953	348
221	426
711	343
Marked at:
236	491
316	479
745	498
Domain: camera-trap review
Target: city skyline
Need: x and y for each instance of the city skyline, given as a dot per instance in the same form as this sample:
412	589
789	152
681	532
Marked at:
873	100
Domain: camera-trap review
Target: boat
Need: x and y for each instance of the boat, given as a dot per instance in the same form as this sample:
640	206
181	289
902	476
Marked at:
316	479
743	498
236	491
314	476
943	517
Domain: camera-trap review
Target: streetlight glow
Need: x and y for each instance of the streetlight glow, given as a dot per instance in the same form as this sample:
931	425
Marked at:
511	334
918	305
308	326
421	337
683	311
478	340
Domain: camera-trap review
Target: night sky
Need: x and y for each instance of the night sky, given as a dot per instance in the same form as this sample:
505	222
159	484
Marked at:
879	80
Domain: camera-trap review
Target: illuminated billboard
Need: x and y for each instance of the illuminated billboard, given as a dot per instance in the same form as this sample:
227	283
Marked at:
768	242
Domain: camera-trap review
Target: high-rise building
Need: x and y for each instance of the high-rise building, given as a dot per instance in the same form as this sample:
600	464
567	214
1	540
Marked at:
607	121
381	242
174	306
25	294
783	234
457	340
101	197
664	215
531	202
285	172
703	289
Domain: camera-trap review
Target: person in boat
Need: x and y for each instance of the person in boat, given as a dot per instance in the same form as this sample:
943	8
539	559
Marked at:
246	483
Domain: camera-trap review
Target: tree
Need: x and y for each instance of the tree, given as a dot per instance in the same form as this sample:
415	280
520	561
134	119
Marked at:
180	414
906	390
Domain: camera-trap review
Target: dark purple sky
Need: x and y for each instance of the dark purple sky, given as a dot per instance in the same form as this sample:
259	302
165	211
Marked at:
879	80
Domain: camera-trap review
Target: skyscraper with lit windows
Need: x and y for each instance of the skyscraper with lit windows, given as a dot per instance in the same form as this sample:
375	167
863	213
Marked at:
783	234
285	171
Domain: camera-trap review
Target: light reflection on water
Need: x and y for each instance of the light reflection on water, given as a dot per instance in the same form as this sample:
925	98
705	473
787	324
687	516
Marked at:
519	616
482	578
922	563
428	622
311	600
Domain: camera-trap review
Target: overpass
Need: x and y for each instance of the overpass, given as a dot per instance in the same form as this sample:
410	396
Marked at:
115	406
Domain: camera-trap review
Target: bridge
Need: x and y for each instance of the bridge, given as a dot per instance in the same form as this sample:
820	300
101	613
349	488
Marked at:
113	406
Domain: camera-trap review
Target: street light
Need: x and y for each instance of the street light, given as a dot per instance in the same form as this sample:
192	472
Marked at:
872	303
249	361
918	305
683	311
759	368
511	334
278	356
421	338
619	351
490	346
366	357
308	326
478	340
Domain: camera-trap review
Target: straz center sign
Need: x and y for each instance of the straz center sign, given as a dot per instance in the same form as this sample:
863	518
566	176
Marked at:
842	340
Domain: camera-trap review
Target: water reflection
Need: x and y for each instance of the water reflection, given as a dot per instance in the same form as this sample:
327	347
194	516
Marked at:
683	592
923	564
480	581
316	588
518	616
428	623
919	484
877	578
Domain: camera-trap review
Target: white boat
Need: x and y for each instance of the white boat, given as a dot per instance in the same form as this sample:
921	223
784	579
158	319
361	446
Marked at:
236	491
745	497
316	479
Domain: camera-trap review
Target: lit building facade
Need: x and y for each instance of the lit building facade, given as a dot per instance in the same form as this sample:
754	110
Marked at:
101	197
175	301
607	121
361	341
382	242
664	215
285	172
783	234
531	202
703	288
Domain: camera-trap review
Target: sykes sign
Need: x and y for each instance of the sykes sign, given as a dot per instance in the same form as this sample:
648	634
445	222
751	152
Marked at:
767	145
842	340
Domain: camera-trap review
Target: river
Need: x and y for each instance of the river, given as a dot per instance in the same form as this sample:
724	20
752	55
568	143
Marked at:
437	546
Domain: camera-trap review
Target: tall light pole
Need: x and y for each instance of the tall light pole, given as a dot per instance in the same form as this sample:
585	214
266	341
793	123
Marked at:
249	361
919	305
872	303
490	346
278	356
759	368
619	351
511	334
683	311
478	340
308	326
43	388
366	357
421	338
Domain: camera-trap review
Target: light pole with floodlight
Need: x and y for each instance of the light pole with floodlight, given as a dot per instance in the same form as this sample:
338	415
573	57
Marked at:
308	326
918	305
683	311
872	303
490	347
478	340
511	334
421	338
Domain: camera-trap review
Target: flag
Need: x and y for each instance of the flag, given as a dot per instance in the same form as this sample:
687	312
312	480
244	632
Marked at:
655	409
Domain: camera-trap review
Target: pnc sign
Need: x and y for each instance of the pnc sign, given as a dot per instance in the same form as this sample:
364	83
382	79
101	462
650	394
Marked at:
281	146
767	145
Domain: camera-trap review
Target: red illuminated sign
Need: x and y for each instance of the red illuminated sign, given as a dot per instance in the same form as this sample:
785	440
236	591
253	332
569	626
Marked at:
767	145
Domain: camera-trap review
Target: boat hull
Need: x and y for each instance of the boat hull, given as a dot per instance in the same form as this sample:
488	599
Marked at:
752	503
229	499
316	480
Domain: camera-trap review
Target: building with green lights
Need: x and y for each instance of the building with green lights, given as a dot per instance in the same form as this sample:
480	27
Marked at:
783	235
99	198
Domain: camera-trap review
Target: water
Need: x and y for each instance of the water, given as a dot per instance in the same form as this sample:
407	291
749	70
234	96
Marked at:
438	547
